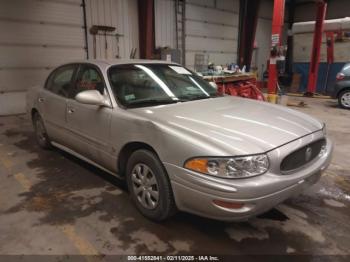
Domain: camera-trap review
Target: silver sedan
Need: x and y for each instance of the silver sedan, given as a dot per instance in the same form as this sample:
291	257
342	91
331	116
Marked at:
177	142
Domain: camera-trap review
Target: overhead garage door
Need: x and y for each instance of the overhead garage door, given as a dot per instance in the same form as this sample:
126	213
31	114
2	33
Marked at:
211	29
36	35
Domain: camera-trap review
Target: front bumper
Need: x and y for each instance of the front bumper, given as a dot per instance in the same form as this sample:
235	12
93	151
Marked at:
194	192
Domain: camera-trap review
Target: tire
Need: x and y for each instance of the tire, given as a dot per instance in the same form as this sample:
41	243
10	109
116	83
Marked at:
344	99
40	132
147	178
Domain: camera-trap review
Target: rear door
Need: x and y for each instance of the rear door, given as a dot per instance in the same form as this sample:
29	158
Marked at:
52	101
89	125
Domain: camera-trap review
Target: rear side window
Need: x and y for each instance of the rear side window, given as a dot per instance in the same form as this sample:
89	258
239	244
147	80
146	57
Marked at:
60	81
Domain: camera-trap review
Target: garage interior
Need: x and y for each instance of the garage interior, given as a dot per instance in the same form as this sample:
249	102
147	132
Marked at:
287	52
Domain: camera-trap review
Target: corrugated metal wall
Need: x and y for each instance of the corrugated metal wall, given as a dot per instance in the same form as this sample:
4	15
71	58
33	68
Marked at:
335	9
121	14
303	46
165	23
211	28
36	36
263	37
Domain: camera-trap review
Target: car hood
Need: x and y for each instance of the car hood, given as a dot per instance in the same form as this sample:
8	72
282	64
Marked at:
237	125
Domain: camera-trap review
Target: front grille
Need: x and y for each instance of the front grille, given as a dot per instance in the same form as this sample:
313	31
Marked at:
302	156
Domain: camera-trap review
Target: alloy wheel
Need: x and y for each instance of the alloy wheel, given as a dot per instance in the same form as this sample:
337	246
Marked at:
145	186
345	99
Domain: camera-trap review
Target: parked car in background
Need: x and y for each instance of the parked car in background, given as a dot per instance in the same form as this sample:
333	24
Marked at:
342	87
178	144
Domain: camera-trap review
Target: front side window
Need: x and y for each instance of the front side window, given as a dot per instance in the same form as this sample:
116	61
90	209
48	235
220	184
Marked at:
137	85
88	78
60	80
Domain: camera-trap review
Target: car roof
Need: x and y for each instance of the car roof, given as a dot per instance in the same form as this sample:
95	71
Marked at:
105	63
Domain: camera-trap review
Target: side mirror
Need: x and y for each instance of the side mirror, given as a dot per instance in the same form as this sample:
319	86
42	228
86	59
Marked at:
92	97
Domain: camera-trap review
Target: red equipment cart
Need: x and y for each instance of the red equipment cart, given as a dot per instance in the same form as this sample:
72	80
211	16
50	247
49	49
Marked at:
243	85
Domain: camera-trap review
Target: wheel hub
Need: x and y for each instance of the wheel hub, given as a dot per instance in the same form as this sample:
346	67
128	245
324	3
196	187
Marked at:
345	99
145	186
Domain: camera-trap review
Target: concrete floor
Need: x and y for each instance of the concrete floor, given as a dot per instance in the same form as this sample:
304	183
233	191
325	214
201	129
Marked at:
53	203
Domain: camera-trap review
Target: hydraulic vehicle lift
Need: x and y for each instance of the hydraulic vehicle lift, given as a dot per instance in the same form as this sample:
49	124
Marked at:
316	48
277	48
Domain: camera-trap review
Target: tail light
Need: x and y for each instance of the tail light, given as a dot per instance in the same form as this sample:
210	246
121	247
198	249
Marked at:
340	76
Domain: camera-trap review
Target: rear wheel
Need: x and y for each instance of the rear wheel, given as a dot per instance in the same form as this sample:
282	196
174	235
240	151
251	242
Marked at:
344	99
149	186
40	132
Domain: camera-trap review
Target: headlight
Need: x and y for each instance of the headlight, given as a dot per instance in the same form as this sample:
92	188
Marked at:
230	167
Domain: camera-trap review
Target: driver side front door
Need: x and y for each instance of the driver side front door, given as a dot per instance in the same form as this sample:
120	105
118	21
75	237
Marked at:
89	125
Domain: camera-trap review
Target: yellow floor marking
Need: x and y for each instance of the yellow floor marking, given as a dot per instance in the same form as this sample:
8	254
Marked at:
315	95
84	247
25	183
6	162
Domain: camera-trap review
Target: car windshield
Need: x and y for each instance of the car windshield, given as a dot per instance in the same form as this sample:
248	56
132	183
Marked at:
140	85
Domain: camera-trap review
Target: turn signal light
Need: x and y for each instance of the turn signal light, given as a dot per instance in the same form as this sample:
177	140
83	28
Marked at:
199	165
229	205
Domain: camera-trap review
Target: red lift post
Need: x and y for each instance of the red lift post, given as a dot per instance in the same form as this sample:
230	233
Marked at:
316	48
276	43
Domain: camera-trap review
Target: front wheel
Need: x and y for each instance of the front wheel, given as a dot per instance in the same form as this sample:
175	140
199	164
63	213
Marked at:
149	186
40	132
344	99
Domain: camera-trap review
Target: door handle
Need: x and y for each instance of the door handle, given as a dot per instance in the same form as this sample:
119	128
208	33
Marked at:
40	99
70	110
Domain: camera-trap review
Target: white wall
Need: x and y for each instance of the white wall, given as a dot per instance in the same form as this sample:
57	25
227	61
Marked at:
303	42
121	14
263	37
335	9
164	15
302	45
37	36
211	29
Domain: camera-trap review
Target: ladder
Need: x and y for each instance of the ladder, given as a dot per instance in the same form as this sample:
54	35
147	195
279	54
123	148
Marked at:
180	24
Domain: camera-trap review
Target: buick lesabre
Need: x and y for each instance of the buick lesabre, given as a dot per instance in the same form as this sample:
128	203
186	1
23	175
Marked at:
177	142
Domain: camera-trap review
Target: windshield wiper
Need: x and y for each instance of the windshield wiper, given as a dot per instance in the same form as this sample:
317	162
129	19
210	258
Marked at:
193	97
150	102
